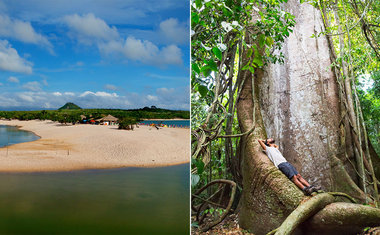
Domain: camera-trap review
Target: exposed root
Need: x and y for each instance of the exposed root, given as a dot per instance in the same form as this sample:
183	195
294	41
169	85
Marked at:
303	212
343	218
330	217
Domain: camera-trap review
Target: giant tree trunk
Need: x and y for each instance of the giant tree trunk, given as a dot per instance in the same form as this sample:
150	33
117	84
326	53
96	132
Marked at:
297	103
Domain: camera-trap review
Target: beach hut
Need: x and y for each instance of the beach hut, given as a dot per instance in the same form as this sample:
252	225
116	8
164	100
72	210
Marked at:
108	120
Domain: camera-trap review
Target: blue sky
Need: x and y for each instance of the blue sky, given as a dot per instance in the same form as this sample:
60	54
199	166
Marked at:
97	54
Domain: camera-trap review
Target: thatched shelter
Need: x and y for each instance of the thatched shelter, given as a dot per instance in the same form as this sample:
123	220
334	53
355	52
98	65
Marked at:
108	120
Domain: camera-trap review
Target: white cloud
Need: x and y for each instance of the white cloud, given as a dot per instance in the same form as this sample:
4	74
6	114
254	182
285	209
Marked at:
152	98
144	51
162	98
32	86
11	61
89	29
22	31
174	31
13	79
111	87
1	84
69	93
98	93
26	97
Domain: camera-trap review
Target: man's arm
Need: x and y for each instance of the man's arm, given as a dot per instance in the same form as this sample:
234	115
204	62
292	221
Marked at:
262	144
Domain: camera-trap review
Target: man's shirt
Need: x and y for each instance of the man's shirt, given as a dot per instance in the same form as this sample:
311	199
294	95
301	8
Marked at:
275	155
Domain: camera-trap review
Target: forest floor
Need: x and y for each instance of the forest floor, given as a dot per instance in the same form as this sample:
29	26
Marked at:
229	225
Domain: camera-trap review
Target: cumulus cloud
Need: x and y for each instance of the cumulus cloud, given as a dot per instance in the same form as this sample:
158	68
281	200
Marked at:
91	30
98	93
22	31
11	61
32	86
162	97
152	98
13	79
174	31
143	51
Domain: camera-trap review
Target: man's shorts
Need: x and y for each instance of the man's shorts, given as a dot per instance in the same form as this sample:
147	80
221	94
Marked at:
288	169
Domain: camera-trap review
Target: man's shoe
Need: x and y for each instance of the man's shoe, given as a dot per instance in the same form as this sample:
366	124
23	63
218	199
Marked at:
308	190
315	188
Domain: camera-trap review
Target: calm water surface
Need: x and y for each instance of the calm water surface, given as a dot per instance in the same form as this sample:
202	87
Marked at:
118	201
183	123
12	135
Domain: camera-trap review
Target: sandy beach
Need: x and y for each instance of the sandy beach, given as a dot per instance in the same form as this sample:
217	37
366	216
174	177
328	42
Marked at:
75	147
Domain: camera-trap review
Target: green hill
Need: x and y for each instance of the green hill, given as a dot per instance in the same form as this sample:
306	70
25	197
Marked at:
70	105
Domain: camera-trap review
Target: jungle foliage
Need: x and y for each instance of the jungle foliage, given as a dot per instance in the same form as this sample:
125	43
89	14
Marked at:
353	26
223	33
220	32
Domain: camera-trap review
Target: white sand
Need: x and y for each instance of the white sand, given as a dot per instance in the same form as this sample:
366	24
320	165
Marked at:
75	147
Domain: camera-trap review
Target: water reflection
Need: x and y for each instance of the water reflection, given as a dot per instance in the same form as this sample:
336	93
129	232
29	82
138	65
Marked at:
121	201
12	135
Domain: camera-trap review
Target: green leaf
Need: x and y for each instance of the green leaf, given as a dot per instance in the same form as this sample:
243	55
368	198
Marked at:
269	41
258	60
202	90
200	166
212	65
195	68
194	18
217	53
246	66
261	40
250	52
251	69
198	3
206	70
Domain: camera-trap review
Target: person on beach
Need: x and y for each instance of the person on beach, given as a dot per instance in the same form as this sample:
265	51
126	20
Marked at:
285	167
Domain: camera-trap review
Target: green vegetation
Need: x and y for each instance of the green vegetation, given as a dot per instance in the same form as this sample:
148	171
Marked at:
74	115
353	29
226	41
127	123
70	105
370	104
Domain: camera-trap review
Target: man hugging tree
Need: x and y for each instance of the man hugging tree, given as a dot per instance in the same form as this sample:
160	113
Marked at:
285	167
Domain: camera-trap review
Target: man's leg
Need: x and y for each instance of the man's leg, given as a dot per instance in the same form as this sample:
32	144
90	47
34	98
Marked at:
302	180
297	182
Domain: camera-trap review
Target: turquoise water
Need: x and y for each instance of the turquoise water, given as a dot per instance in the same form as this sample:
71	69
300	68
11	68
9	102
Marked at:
118	201
12	135
178	123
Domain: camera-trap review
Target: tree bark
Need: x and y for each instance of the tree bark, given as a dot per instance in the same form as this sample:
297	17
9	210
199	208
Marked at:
343	218
297	103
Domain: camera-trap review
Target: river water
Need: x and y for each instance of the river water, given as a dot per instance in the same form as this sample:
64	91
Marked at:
112	201
12	135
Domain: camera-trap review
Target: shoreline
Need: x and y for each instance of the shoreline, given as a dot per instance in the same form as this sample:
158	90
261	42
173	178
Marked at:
172	119
90	147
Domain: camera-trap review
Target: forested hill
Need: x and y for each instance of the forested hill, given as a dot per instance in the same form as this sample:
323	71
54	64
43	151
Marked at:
70	105
75	114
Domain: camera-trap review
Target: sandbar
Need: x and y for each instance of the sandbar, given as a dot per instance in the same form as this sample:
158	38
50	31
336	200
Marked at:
77	147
